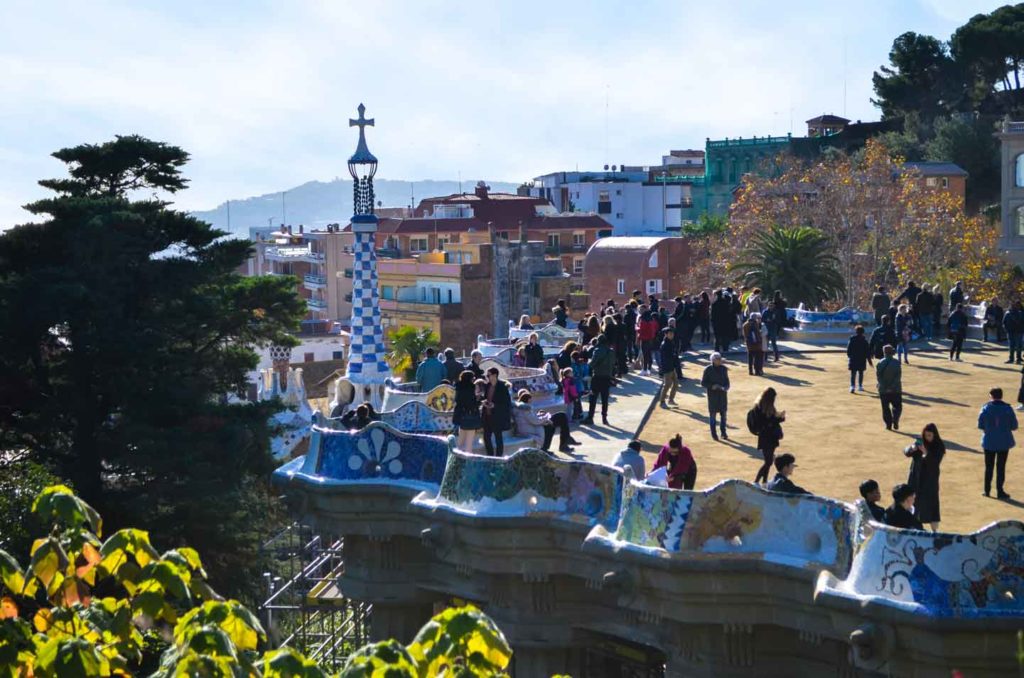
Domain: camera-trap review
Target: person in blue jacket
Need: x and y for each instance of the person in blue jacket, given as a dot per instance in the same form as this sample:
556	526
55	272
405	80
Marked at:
431	372
997	422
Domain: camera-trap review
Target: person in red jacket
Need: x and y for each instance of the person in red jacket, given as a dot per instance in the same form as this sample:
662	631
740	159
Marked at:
682	469
647	333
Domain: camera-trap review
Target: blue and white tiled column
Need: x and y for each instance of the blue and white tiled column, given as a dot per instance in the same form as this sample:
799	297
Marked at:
366	363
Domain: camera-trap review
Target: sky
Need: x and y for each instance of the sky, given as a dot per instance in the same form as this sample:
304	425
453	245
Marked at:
260	93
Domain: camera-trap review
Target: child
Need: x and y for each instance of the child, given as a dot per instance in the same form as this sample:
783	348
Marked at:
570	394
581	372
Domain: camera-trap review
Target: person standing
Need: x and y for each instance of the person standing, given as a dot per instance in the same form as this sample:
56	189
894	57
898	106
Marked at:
561	313
754	303
901	513
785	465
766	423
997	422
957	331
721	320
602	369
704	317
497	413
466	413
452	367
771	321
924	311
956	295
533	351
890	388
872	495
1013	321
631	457
904	323
937	299
993	322
715	382
668	367
926	456
753	340
430	373
646	332
678	459
858	357
629	317
882	336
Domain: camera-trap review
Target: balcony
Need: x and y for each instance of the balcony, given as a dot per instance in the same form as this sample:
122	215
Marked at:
316	304
313	257
286	253
312	281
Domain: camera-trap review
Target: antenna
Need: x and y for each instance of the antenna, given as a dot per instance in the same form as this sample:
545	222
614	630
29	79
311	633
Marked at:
460	181
229	214
844	76
284	211
607	90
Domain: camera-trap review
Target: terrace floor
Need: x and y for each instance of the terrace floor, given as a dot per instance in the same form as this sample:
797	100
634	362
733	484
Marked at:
839	438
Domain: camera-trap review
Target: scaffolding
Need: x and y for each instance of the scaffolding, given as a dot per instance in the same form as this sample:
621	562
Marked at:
304	608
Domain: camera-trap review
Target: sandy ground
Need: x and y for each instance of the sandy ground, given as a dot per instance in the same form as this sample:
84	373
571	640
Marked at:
839	438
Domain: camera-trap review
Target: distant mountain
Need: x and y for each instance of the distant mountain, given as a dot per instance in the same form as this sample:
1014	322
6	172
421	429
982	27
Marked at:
318	203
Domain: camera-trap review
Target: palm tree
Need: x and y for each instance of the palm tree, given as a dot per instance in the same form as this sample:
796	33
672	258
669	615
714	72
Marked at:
407	345
799	261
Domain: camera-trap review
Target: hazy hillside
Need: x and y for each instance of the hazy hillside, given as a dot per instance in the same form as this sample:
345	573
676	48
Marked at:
317	203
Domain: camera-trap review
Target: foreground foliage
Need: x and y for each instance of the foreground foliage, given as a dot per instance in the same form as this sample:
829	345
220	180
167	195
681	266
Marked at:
86	607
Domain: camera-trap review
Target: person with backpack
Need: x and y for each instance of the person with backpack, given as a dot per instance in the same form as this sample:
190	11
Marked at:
890	388
715	382
764	421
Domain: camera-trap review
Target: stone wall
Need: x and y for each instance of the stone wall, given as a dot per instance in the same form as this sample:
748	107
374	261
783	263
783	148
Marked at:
569	557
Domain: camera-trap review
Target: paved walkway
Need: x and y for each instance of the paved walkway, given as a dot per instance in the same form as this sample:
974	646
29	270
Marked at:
627	410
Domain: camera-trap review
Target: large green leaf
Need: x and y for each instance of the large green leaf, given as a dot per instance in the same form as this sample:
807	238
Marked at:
59	504
70	658
287	663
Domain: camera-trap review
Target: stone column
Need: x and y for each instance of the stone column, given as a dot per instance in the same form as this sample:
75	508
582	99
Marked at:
399	621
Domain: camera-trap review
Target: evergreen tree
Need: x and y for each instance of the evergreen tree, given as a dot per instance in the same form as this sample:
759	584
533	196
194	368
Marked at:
124	326
799	261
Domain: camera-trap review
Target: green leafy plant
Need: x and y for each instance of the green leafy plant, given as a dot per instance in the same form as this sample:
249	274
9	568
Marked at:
407	345
799	261
90	607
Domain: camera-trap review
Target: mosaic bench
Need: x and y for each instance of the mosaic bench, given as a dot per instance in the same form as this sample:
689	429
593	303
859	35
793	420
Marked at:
530	483
440	398
733	519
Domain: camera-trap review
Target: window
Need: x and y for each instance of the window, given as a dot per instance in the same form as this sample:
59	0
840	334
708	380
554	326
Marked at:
620	286
654	286
348	272
553	240
467	258
577	265
579	239
604	233
604	202
1018	171
618	191
931	182
442	241
503	235
308	358
418	245
652	262
337	355
603	196
386	292
945	182
618	215
1020	220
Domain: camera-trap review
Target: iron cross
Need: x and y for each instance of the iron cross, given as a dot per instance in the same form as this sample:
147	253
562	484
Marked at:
362	122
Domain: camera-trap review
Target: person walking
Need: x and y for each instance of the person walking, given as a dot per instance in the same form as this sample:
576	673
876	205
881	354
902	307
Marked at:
957	331
872	495
452	367
1013	322
754	304
541	425
602	369
668	368
430	373
466	413
882	336
715	382
997	422
926	455
533	351
766	423
753	340
496	411
904	325
889	374
679	462
631	457
646	333
771	322
858	357
785	465
901	513
924	311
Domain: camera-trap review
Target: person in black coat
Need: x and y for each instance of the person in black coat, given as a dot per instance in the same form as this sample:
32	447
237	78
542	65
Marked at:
858	357
496	409
926	457
722	321
452	367
924	312
564	357
466	413
533	351
880	303
784	467
883	335
872	495
901	514
769	430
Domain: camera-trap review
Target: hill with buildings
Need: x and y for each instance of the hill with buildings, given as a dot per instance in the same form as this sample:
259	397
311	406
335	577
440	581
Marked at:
317	203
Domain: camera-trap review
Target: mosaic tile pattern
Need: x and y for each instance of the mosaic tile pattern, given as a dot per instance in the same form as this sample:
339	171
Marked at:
380	452
940	575
415	417
735	517
440	398
534	483
366	353
551	334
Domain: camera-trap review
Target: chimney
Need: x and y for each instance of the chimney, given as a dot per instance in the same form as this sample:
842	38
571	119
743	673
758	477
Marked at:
522	232
481	190
282	228
289	230
301	229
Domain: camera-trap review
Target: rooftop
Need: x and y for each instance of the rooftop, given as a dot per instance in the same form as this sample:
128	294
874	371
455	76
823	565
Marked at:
460	225
828	120
937	169
627	243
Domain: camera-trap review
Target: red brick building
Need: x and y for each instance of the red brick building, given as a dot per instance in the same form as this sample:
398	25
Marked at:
436	222
616	266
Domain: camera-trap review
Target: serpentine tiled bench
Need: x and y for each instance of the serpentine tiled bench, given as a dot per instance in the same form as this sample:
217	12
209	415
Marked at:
440	398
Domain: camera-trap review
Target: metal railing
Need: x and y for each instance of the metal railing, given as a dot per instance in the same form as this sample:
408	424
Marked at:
753	141
314	279
317	304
